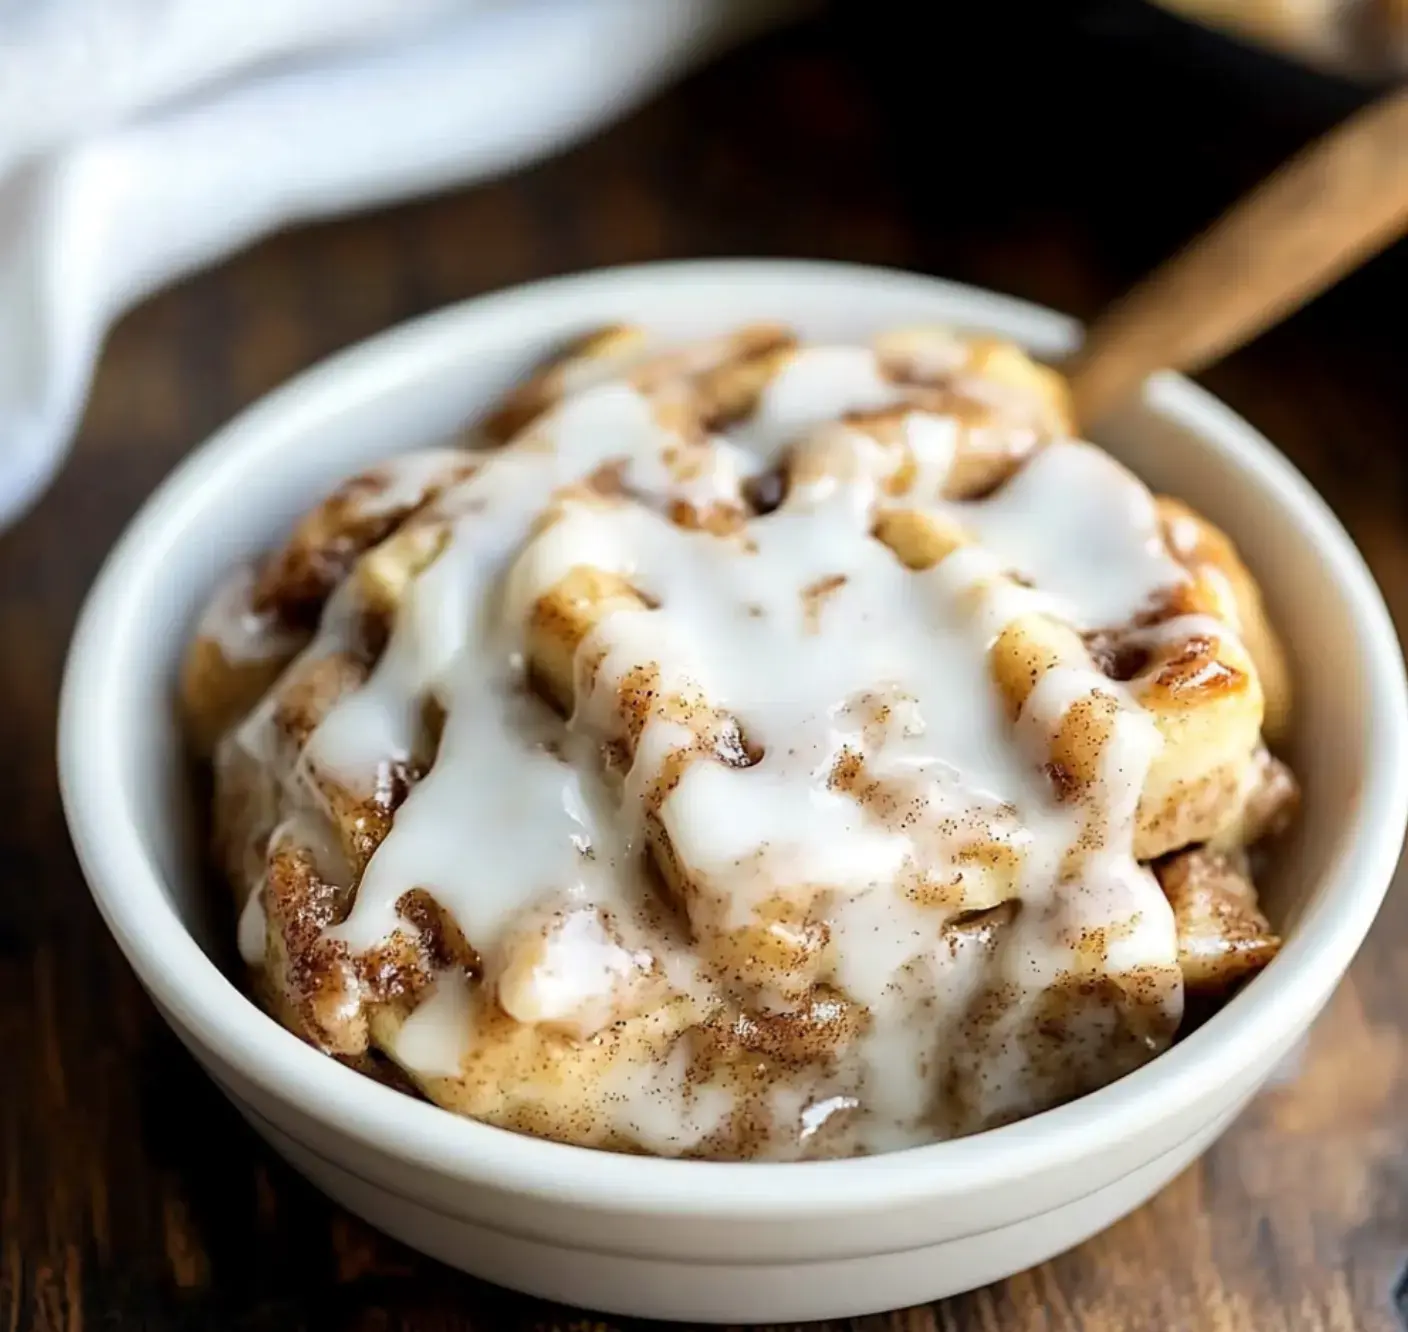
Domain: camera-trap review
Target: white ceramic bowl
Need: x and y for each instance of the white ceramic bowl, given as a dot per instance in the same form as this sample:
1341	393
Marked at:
695	1240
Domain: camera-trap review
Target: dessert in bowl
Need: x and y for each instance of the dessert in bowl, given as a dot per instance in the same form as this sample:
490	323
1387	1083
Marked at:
860	762
747	749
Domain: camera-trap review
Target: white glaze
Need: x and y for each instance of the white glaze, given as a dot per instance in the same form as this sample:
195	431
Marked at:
1052	524
403	482
811	636
816	385
252	932
437	1036
242	633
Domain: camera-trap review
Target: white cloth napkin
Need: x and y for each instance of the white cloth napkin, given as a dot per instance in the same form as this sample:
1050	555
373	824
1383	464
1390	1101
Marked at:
140	139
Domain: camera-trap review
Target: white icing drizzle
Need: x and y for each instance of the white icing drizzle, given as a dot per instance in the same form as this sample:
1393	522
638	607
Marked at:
438	1035
806	634
816	385
241	632
1101	572
402	482
252	934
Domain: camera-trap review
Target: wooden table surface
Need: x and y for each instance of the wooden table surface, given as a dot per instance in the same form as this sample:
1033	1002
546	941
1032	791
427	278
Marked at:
132	1197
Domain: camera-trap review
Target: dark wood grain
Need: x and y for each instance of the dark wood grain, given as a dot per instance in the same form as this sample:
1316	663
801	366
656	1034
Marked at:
131	1197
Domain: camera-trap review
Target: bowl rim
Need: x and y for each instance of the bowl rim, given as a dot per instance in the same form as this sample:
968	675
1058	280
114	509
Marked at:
210	1011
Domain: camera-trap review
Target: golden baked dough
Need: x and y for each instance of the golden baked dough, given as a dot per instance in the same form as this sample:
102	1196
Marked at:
236	654
1222	935
1223	587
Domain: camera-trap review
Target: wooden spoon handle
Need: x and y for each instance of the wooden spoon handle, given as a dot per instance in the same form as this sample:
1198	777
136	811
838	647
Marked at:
1328	209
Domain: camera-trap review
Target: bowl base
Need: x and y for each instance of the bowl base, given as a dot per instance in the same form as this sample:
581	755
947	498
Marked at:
650	1287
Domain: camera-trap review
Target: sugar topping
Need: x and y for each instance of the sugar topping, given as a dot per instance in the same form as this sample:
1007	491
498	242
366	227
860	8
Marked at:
849	752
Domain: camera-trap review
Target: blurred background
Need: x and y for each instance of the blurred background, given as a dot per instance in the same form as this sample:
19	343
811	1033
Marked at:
197	202
141	140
